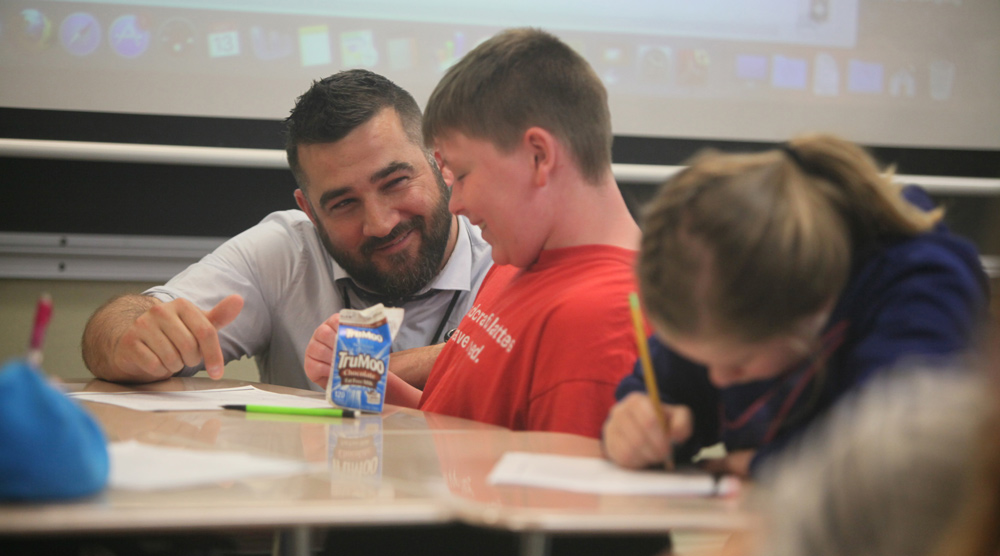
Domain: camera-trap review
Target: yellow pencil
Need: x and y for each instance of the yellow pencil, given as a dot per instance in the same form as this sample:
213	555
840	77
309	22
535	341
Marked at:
647	372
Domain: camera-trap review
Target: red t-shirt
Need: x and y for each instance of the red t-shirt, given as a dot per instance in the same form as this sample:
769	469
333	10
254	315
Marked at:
542	348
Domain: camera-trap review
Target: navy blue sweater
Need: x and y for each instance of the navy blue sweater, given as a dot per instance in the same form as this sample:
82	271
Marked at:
922	296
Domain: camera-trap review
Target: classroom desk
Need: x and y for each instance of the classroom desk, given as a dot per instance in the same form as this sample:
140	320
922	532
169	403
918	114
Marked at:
402	467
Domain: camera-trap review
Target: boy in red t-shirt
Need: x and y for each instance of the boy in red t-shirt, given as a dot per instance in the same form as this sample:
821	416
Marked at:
521	128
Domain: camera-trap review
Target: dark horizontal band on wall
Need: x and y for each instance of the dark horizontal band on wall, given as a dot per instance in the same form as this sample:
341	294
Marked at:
268	134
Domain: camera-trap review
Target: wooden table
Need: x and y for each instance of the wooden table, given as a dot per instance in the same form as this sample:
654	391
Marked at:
402	467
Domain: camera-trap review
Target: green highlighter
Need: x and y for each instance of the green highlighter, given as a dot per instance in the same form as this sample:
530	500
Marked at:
314	411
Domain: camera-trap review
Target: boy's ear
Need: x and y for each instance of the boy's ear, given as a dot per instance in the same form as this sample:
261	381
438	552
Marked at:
541	145
446	172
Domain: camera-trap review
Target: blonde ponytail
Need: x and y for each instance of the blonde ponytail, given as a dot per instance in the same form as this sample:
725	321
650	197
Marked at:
746	246
872	201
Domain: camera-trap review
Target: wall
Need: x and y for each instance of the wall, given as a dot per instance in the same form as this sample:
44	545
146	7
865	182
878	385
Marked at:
73	303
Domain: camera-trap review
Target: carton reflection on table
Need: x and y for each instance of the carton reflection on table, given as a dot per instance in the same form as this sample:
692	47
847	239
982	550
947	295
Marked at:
355	459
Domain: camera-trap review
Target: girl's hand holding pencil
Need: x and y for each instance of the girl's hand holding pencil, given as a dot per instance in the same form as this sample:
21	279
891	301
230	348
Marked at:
640	429
634	436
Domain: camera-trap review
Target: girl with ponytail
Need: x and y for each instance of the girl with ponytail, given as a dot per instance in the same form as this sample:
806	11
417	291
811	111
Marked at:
776	283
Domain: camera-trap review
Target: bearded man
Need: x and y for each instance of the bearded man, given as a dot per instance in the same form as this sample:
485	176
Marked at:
374	227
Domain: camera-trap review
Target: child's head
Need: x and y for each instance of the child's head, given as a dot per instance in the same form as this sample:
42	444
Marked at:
519	123
518	79
743	256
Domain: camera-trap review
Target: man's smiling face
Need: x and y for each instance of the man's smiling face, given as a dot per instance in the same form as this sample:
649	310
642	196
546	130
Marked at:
379	206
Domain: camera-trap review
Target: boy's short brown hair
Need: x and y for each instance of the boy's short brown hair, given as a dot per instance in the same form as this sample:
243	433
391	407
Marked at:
521	78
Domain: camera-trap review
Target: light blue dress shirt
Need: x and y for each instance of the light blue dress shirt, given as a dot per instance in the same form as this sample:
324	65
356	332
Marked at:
289	286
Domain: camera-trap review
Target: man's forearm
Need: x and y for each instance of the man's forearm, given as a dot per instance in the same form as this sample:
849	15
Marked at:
414	365
105	327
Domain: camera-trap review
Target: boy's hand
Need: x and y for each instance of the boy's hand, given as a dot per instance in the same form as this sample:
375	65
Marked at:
319	351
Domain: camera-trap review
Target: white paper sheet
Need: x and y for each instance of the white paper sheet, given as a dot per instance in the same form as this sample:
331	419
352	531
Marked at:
599	476
198	400
136	466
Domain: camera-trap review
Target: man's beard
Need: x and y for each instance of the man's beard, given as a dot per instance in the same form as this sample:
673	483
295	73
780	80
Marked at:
406	274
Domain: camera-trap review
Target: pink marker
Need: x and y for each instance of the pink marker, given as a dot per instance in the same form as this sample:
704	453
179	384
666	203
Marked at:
43	313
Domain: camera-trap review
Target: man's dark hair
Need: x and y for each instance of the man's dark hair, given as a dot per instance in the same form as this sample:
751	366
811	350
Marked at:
336	105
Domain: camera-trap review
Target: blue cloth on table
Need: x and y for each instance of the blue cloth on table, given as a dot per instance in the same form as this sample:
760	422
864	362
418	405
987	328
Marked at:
50	448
